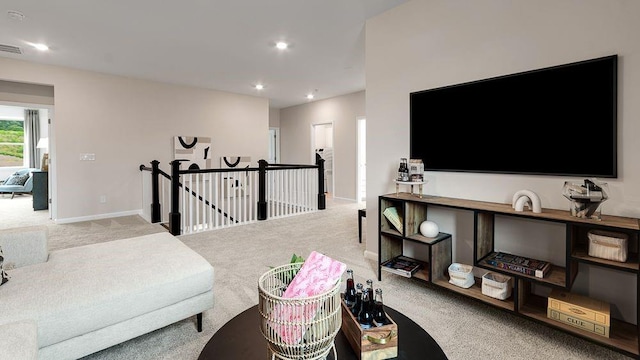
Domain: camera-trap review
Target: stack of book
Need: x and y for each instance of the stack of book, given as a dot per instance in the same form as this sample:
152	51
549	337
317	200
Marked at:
401	265
527	266
580	311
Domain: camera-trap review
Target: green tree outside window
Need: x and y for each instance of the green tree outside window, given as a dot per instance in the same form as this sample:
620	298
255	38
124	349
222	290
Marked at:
11	143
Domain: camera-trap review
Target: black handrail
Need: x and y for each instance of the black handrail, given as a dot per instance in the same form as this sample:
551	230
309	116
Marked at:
291	166
206	171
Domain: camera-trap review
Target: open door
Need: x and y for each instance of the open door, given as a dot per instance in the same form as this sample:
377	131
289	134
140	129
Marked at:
322	144
361	188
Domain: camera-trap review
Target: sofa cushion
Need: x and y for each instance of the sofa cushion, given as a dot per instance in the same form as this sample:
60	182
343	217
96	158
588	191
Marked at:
17	179
86	288
4	277
24	246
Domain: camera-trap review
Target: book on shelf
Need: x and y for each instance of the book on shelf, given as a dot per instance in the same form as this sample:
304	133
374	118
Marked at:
521	264
401	265
391	213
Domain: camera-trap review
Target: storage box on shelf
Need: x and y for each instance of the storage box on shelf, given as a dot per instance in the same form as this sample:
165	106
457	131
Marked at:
497	285
461	275
525	299
608	245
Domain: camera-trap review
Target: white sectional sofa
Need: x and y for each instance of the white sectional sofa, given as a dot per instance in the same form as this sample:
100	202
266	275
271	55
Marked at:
84	299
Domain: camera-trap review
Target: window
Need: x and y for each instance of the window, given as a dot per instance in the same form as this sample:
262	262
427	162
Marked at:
11	143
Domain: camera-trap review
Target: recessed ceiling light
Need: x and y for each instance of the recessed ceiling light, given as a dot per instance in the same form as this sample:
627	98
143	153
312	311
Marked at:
41	47
309	96
259	86
282	45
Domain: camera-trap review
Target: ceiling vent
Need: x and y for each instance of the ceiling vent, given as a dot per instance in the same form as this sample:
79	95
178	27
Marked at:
10	49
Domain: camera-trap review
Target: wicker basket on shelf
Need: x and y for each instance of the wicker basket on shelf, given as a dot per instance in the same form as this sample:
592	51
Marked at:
297	328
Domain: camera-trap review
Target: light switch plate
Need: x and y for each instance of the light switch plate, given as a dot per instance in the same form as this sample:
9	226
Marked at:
87	157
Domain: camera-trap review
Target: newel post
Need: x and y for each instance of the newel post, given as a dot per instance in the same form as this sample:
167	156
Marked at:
174	215
262	189
322	204
155	192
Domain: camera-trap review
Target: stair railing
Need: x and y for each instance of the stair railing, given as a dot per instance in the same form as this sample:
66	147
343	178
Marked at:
207	199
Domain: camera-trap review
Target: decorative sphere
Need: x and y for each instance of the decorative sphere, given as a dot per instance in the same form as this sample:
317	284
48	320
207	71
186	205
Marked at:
429	229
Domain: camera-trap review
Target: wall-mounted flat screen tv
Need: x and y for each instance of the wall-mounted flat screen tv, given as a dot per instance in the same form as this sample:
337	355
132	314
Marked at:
559	121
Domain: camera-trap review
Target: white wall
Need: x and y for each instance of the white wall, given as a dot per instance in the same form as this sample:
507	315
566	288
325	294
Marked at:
274	118
127	122
428	44
295	134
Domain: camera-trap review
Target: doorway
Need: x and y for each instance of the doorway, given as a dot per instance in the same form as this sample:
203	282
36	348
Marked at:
274	145
361	187
33	146
322	144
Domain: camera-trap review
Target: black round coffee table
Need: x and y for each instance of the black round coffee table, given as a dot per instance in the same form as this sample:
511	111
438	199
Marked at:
240	338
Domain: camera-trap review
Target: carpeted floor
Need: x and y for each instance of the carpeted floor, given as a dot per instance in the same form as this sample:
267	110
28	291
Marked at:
18	212
465	329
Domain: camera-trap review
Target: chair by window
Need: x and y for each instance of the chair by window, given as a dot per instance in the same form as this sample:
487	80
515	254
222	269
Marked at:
20	182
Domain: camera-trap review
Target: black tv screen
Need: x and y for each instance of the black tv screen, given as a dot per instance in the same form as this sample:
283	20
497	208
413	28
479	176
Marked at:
560	120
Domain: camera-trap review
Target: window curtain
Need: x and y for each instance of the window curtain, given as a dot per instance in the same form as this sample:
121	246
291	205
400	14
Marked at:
31	136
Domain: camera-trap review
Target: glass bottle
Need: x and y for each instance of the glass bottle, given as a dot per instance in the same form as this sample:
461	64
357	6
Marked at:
365	316
379	316
350	292
370	291
405	170
355	309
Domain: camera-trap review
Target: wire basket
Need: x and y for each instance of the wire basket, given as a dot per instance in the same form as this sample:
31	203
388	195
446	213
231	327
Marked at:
297	328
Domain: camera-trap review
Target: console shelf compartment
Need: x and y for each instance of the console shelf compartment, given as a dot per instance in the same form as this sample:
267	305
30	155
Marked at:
556	276
580	248
524	301
475	291
623	336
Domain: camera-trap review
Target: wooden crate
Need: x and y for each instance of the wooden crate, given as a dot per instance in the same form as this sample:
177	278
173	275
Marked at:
376	343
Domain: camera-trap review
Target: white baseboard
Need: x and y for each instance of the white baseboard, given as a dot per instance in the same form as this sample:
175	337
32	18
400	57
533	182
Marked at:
97	217
343	198
370	255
